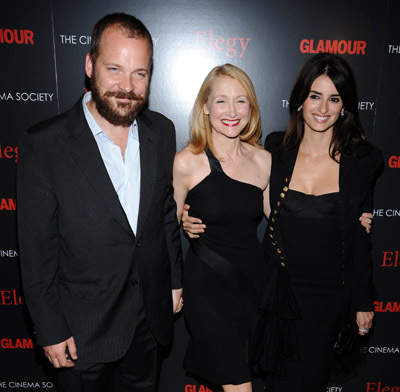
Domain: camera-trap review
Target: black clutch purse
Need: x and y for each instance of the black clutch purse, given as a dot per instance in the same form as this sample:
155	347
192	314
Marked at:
347	340
347	353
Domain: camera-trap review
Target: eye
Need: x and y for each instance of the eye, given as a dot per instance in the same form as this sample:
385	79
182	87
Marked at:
112	69
314	96
242	101
220	101
335	99
140	75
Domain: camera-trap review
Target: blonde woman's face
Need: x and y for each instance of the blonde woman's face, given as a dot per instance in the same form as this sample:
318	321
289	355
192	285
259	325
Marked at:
228	107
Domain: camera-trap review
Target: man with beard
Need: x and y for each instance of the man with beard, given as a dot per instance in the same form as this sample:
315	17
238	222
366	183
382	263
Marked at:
99	240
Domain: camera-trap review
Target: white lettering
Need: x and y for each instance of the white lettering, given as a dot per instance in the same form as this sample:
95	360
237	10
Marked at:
365	105
68	39
6	97
394	49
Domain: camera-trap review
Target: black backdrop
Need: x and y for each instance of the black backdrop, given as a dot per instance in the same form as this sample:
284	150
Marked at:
42	46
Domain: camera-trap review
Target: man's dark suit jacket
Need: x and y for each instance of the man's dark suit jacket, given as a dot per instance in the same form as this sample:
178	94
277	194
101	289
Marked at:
359	168
82	266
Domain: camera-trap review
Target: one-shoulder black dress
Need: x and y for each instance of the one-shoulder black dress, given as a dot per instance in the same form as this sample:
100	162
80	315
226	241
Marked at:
222	275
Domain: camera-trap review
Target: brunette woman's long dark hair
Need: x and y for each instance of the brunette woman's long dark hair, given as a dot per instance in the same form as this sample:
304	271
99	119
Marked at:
347	128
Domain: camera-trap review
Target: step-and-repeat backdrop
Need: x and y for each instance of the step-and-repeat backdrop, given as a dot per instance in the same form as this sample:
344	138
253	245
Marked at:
42	49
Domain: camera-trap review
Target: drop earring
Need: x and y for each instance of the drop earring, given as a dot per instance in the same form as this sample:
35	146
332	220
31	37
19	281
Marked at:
342	112
299	109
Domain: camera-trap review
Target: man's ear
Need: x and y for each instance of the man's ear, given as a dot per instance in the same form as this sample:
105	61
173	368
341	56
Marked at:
88	65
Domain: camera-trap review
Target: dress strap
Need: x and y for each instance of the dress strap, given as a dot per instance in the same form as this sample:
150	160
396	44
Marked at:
215	165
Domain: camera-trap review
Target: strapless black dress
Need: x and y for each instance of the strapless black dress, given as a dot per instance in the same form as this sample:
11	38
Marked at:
310	232
222	276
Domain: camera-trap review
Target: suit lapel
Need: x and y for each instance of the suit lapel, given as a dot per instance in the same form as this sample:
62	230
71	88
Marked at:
85	152
148	168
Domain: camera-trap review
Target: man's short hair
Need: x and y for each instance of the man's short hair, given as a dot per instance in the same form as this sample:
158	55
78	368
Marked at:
129	25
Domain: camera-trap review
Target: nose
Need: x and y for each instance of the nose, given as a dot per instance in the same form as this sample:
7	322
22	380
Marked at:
232	109
126	83
323	106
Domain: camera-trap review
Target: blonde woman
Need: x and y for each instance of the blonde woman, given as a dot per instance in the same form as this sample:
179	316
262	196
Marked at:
223	174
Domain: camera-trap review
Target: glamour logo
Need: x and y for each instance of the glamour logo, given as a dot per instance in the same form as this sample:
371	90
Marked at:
333	46
394	162
10	298
14	36
16	343
25	96
9	152
390	259
231	46
378	387
388	213
381	350
383	307
196	388
8	204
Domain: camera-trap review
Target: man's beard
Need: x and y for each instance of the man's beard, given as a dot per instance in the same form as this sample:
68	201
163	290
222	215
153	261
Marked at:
106	107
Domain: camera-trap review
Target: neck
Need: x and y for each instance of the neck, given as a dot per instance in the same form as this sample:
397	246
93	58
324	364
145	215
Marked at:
226	148
316	143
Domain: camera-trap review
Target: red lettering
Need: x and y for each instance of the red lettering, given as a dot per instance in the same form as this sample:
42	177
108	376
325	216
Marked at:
385	389
369	384
387	256
342	47
7	150
16	36
361	47
311	47
331	46
9	297
320	46
396	307
219	40
5	297
29	37
394	161
8	204
19	343
350	49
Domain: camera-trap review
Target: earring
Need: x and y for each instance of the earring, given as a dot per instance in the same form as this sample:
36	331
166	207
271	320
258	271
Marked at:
299	109
342	112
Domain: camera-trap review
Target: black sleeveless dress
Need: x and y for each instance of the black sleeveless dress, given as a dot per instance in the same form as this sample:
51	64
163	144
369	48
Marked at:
222	275
310	232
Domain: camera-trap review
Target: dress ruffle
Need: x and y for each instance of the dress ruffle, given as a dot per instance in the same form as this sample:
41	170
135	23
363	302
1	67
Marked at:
275	339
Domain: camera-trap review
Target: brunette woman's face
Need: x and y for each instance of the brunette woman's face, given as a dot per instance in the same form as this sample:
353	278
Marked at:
322	107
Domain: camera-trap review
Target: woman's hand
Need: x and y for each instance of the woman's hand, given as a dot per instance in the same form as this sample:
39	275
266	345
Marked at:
192	226
364	322
366	220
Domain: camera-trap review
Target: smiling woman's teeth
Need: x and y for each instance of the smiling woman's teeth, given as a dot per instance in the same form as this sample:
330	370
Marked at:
320	118
230	123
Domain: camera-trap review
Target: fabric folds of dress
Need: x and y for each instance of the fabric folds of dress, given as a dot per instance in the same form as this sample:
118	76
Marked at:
275	339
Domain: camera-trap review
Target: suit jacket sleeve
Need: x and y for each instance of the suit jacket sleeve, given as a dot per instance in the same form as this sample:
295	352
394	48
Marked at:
362	261
39	242
172	228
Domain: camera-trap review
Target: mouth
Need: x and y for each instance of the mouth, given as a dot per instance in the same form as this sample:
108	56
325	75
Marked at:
230	123
320	118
